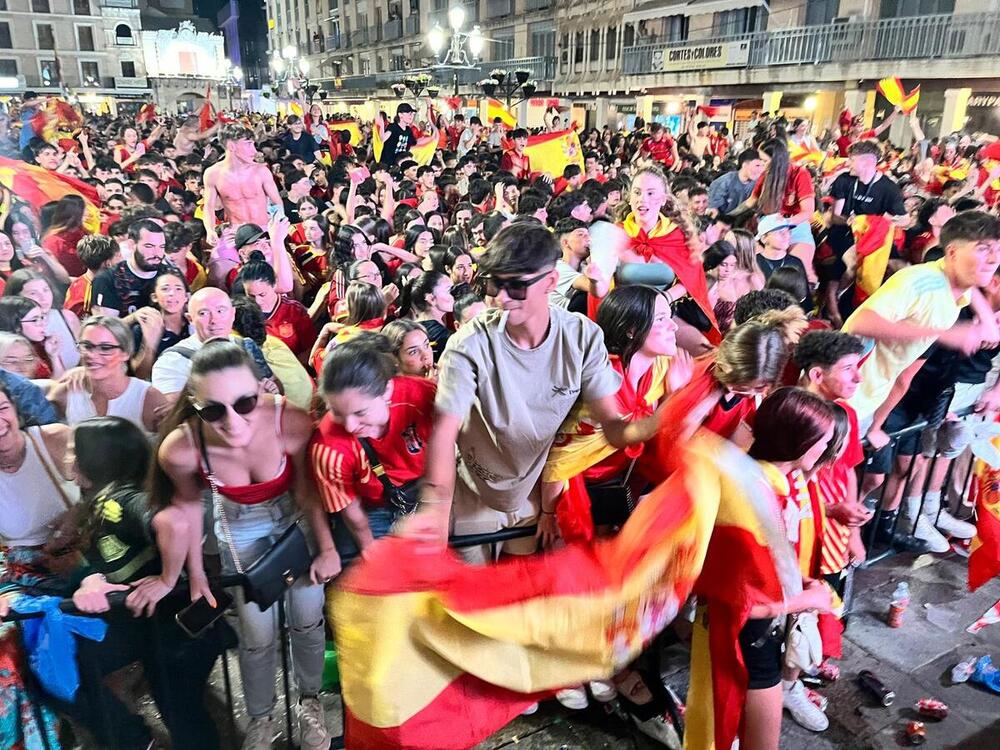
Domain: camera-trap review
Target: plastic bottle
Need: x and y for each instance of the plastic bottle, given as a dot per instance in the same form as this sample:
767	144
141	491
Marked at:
962	671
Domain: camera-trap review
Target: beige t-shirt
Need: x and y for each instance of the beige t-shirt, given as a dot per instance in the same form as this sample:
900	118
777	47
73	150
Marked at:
920	295
514	400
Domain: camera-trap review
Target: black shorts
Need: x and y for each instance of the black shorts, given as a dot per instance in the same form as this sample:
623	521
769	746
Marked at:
912	409
760	645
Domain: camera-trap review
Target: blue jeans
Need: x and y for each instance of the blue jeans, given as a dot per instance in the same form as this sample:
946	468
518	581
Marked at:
255	528
380	520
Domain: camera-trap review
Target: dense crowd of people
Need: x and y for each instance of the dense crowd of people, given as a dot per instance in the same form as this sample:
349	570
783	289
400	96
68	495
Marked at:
264	328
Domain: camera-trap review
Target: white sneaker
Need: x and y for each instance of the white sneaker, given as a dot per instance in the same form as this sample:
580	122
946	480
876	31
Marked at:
925	530
530	710
604	691
950	525
313	734
573	698
260	734
805	713
661	729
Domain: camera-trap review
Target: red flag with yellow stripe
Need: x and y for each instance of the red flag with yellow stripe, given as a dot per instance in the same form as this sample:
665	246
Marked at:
873	238
479	644
37	186
350	126
984	552
552	152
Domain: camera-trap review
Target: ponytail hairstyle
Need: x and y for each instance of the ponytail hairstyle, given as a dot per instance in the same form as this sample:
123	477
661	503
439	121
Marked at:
364	302
756	351
788	423
413	299
772	192
214	356
625	316
670	208
365	362
255	269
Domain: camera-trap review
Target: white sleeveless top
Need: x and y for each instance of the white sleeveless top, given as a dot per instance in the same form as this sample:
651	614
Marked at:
57	327
29	500
127	406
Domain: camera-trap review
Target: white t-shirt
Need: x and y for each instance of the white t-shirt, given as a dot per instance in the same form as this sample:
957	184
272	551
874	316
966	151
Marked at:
561	295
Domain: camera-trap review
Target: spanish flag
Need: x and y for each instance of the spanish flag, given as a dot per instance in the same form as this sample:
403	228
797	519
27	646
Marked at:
349	125
479	644
873	238
495	109
377	138
37	186
892	90
147	113
422	154
984	553
823	161
552	152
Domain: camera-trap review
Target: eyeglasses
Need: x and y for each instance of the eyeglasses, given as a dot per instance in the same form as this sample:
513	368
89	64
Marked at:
517	289
90	348
9	362
213	411
41	318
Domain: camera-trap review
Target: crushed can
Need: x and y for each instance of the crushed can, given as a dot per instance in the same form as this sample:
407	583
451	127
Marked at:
916	733
931	707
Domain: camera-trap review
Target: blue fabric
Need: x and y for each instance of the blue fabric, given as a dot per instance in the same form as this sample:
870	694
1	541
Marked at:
986	674
28	398
50	645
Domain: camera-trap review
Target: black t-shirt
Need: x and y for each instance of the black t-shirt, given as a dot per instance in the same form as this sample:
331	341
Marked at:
117	288
305	146
121	543
768	266
438	336
398	140
880	196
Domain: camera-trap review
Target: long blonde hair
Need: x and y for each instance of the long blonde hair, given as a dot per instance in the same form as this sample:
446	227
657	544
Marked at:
670	208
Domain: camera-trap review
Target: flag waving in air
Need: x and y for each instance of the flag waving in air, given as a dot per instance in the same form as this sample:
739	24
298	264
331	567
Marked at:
495	109
37	186
350	126
892	90
480	644
552	152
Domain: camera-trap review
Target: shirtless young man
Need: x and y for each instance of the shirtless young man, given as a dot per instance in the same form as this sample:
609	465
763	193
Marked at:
188	136
239	184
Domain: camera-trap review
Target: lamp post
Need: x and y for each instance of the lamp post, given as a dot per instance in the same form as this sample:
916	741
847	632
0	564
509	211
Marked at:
463	49
509	85
293	71
231	77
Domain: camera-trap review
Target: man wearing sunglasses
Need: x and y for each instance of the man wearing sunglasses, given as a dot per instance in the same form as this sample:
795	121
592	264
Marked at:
506	382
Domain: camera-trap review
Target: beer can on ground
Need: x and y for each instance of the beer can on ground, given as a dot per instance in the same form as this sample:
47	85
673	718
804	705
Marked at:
875	686
895	618
931	707
916	733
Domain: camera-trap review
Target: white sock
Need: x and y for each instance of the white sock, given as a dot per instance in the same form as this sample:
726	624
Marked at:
787	685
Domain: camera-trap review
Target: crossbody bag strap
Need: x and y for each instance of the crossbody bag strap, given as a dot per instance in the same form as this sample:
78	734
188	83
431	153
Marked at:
43	458
220	507
376	464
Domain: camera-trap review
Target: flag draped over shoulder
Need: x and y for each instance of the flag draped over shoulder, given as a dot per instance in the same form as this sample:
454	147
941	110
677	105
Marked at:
479	644
552	152
873	238
984	553
37	186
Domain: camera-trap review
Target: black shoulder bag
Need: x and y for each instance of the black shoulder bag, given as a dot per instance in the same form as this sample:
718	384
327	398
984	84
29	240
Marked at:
403	500
611	502
273	573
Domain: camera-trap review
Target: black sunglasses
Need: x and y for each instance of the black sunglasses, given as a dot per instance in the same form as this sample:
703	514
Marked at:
213	412
517	289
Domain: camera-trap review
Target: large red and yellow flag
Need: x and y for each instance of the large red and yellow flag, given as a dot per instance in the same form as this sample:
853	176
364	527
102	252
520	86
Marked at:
37	186
351	126
823	161
495	109
552	152
477	644
984	552
894	93
873	238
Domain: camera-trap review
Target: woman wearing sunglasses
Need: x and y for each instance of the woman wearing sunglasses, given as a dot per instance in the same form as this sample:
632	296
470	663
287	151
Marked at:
103	387
253	446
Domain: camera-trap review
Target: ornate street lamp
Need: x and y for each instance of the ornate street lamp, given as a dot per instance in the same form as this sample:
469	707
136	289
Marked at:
463	49
506	85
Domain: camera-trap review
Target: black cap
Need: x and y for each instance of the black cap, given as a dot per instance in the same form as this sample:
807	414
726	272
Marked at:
248	234
404	108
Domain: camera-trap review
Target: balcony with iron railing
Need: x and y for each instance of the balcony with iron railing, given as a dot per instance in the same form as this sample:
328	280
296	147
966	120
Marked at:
530	5
915	38
499	8
413	24
541	70
130	4
392	29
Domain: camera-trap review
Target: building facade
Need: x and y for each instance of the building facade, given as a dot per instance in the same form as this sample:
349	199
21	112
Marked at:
87	49
612	60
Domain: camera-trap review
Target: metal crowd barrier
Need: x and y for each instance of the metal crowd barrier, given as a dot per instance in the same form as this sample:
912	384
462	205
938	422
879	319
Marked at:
230	581
874	554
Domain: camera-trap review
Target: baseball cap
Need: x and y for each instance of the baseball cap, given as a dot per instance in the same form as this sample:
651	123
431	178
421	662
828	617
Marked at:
404	108
248	234
769	223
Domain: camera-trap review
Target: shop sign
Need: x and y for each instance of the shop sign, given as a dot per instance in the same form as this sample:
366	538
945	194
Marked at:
700	56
